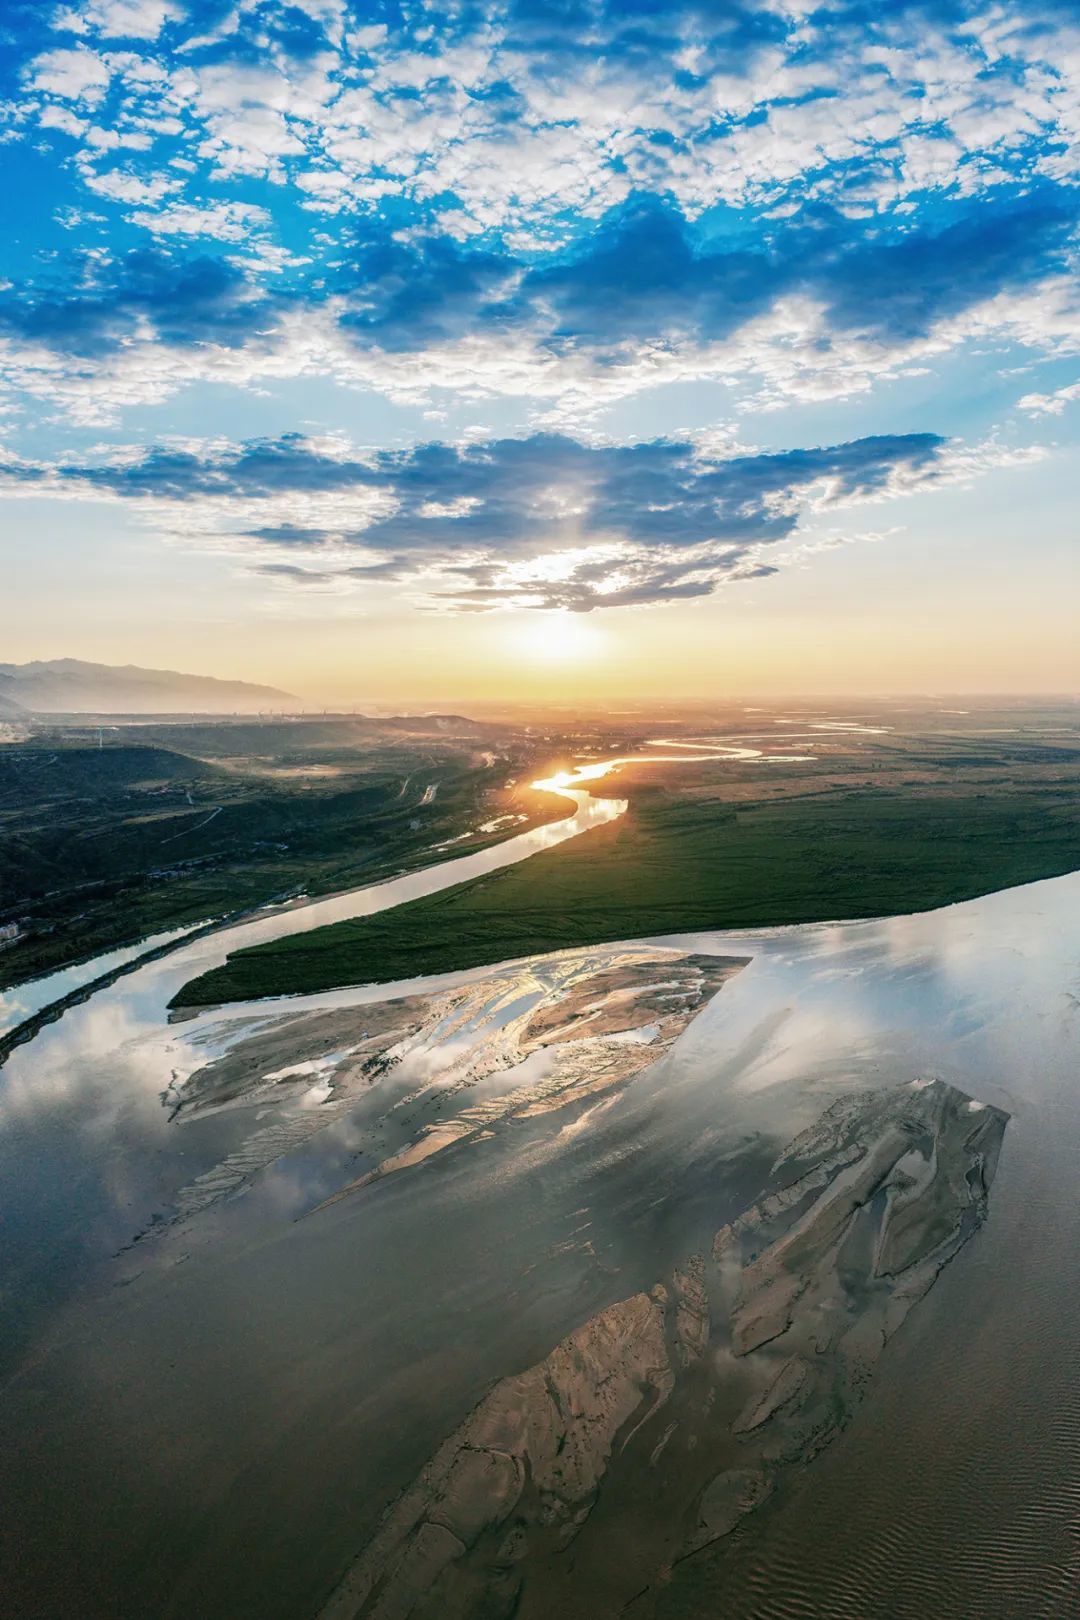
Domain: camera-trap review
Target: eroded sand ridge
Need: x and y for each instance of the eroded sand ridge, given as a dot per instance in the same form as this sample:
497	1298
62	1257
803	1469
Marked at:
589	1482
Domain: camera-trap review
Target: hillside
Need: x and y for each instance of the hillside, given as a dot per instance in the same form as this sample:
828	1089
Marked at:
70	686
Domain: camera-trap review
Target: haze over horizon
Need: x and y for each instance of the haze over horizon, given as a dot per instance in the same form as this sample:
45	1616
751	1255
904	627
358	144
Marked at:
425	352
71	687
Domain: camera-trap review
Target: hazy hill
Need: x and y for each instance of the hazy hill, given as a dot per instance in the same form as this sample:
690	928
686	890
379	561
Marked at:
69	686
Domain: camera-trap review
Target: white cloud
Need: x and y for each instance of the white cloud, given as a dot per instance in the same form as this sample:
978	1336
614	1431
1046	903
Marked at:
122	186
265	258
252	141
120	19
1050	404
78	75
114	140
228	222
54	117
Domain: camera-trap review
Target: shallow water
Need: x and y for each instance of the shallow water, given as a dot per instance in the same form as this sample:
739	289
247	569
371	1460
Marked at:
23	1000
211	1421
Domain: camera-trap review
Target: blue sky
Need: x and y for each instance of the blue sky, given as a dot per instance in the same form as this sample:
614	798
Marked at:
588	307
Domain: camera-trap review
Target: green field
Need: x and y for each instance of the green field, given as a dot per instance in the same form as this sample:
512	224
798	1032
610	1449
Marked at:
706	858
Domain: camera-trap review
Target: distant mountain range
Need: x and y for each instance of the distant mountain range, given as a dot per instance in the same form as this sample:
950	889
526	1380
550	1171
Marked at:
69	686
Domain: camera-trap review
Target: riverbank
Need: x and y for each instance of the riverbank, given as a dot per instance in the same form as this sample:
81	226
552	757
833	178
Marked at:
106	845
679	863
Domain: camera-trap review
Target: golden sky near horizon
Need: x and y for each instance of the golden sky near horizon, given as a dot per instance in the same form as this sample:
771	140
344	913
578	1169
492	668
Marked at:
776	636
955	605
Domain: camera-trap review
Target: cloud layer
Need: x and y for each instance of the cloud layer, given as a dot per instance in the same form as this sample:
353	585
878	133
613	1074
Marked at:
800	310
561	205
545	521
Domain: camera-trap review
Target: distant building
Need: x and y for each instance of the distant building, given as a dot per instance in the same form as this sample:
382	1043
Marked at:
9	933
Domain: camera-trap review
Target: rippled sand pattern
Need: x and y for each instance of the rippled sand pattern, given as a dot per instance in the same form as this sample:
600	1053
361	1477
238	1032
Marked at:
985	1383
701	1393
597	1016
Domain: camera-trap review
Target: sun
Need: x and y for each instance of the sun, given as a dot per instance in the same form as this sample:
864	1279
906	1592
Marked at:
557	637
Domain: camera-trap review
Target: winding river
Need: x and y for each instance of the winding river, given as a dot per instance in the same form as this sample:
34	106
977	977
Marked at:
24	1001
207	1417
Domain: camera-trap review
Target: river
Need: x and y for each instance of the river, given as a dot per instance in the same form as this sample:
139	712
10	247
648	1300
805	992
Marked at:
208	1422
23	1001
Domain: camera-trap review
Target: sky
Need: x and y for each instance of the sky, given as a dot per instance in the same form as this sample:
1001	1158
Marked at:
403	353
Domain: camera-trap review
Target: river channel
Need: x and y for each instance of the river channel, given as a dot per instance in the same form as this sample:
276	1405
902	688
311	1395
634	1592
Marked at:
205	1417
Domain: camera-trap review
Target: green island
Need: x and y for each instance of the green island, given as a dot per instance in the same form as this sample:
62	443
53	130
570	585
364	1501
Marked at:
876	828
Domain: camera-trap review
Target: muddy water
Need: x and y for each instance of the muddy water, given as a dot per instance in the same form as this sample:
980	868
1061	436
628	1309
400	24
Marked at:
209	1422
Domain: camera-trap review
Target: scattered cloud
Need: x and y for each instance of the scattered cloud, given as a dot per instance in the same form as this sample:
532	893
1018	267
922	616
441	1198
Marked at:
804	310
1050	404
119	19
228	222
78	76
522	116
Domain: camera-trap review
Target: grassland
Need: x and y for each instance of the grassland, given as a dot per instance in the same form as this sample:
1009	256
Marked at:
867	827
